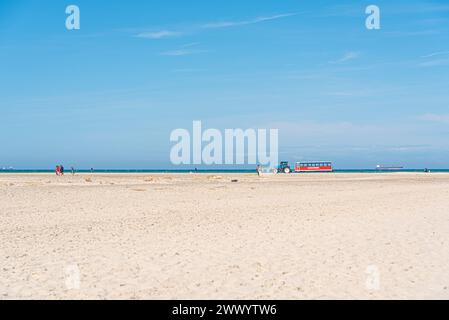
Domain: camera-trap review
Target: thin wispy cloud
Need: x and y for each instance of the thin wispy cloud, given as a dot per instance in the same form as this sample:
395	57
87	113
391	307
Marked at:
431	117
159	34
348	56
434	54
441	58
191	44
184	50
435	63
162	34
228	24
181	52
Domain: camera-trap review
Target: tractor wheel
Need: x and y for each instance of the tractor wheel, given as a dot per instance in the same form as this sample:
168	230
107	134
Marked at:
287	170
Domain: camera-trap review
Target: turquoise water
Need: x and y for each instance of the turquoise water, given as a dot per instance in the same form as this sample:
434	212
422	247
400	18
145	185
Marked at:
216	171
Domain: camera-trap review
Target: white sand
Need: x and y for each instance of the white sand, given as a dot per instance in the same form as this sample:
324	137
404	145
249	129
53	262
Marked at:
203	237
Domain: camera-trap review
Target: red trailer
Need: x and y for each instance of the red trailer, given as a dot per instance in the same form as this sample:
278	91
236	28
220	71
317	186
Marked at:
314	166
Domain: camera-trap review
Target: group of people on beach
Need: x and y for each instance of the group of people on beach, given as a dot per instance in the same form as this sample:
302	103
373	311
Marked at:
60	170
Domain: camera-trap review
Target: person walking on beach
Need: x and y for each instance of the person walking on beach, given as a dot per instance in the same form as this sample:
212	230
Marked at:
62	170
72	169
58	170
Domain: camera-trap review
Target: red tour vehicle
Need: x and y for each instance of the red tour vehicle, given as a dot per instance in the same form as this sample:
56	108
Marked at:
314	166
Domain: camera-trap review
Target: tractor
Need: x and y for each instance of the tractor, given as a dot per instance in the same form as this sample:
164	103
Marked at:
284	167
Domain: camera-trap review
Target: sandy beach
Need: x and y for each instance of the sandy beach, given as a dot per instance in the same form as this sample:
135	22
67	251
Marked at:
201	236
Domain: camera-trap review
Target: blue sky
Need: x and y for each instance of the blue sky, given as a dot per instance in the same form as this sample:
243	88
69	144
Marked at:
108	95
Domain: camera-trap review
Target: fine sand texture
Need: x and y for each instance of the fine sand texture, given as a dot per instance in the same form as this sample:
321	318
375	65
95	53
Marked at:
202	236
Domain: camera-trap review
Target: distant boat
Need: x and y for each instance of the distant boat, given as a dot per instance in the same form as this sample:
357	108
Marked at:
386	168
